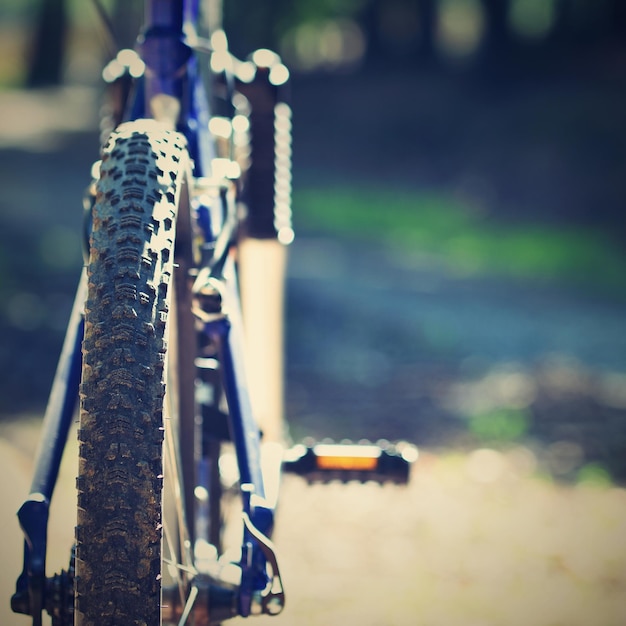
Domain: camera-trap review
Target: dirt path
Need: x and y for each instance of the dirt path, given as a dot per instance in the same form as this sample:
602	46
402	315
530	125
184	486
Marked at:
18	441
474	540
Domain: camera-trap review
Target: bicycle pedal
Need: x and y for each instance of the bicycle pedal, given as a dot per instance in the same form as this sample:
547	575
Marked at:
326	462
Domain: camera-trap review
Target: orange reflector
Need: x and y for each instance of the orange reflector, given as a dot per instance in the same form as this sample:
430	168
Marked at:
349	463
347	458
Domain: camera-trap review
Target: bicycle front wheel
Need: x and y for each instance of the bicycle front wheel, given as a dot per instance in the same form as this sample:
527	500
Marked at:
136	318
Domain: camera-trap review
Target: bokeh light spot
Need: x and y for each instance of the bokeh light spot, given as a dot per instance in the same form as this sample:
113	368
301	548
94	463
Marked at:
594	475
532	19
500	425
461	28
59	247
330	44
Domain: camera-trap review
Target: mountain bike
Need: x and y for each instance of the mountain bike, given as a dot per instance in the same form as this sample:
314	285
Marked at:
174	346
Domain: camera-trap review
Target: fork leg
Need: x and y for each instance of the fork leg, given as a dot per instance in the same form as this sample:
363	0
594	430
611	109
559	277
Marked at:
263	265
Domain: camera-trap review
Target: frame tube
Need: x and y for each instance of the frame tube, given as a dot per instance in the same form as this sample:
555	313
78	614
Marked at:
62	402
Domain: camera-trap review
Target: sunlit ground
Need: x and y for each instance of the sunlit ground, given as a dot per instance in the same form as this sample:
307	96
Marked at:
477	538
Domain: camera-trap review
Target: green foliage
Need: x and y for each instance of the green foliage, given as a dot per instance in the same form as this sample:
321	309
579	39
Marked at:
532	18
500	425
440	226
594	475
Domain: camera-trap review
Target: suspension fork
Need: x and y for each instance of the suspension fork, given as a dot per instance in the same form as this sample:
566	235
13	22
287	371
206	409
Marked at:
260	591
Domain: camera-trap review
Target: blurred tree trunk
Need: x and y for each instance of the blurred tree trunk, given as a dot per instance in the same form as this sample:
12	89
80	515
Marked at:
47	53
497	35
617	9
370	23
562	29
496	49
419	44
428	11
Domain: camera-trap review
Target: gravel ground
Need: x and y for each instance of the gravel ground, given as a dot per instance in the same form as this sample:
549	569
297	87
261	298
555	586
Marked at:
475	539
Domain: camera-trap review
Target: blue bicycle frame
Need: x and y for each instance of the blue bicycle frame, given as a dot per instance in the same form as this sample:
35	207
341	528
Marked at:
171	70
169	85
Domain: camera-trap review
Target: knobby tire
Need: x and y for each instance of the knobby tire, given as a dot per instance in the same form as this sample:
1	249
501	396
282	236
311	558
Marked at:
125	360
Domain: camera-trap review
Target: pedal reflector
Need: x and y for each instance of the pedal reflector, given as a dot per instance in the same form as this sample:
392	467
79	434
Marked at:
347	458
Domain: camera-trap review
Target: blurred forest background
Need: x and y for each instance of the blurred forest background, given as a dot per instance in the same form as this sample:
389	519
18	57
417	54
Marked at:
501	37
459	186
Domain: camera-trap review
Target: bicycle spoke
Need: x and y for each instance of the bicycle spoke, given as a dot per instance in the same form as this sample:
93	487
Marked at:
191	600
